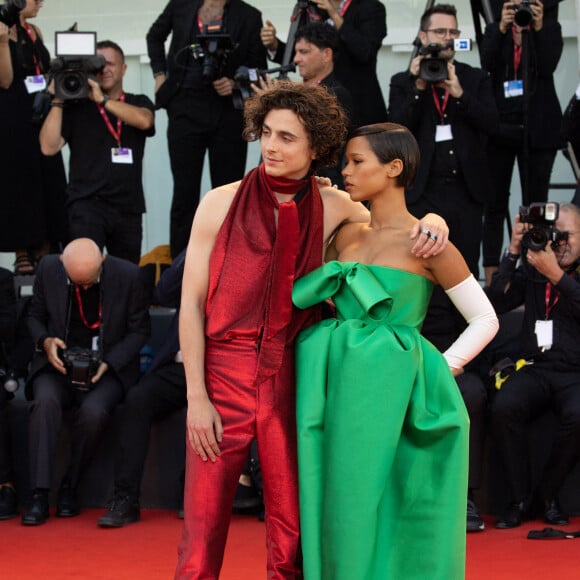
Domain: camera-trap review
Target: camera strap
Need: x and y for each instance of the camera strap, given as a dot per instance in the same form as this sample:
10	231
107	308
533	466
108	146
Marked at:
344	6
115	133
517	54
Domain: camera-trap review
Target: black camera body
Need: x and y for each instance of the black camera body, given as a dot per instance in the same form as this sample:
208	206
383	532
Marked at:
245	76
434	68
211	49
10	12
71	75
542	217
81	366
523	13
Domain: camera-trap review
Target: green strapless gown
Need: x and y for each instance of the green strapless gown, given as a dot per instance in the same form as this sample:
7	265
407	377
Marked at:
382	432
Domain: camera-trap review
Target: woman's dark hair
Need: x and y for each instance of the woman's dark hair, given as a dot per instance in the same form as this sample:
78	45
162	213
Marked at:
392	141
323	118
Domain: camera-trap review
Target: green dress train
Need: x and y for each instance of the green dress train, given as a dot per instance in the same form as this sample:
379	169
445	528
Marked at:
382	432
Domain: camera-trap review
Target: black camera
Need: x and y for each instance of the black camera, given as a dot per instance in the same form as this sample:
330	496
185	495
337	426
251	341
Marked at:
245	76
433	69
9	379
542	217
10	12
523	13
81	366
76	62
211	50
314	12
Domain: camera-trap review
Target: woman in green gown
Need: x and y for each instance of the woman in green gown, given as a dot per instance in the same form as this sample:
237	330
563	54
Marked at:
382	428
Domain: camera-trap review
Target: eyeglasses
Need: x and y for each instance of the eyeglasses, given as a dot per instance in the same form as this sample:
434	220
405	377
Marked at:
443	32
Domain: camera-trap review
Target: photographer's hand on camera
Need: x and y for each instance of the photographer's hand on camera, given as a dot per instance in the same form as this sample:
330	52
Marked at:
160	78
223	86
51	346
332	9
414	70
452	84
103	368
508	13
265	83
546	263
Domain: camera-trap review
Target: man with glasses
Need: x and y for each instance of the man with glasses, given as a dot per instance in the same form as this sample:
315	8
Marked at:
81	301
547	282
451	120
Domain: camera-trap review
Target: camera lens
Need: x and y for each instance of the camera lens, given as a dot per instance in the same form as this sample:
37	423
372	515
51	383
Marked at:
72	83
523	16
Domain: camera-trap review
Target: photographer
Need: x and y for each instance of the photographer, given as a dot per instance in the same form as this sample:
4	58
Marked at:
106	136
199	104
361	27
547	282
81	301
451	120
32	220
521	61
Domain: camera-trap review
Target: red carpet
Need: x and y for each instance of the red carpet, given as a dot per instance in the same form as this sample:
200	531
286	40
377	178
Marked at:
77	548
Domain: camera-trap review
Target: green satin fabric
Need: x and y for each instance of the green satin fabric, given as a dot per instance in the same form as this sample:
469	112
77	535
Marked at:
382	433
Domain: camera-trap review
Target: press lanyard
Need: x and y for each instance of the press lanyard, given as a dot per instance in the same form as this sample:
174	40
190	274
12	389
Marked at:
116	134
94	325
344	6
517	54
28	29
548	295
438	105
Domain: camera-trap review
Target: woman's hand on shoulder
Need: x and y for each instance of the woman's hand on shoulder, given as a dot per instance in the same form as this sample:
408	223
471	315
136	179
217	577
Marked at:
431	235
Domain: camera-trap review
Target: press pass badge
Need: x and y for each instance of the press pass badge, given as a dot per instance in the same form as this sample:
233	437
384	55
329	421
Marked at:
513	89
35	83
443	133
544	333
122	155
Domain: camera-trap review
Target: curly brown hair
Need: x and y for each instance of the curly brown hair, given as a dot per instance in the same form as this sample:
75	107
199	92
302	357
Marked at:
324	120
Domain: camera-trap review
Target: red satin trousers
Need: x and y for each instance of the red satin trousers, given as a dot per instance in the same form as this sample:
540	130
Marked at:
266	412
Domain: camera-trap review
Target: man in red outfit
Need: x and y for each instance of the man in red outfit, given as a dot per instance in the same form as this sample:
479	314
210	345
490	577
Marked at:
248	243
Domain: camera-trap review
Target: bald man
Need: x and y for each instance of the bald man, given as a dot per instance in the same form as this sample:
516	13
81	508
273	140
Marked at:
85	307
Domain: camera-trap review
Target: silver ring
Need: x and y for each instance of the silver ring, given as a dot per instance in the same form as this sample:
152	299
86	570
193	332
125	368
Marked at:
433	237
426	232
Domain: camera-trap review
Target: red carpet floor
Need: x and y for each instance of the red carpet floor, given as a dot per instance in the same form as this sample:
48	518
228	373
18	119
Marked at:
77	548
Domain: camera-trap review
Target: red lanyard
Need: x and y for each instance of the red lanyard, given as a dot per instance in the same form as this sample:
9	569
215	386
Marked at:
440	106
548	299
116	134
517	54
96	324
28	29
344	7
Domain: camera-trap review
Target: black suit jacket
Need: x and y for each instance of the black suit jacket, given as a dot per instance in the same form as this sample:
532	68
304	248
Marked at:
125	319
179	18
544	49
472	117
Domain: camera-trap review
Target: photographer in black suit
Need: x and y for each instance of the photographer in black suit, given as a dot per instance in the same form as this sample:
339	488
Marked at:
85	301
521	61
198	97
548	283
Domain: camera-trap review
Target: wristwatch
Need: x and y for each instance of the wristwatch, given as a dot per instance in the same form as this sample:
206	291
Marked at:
104	101
510	256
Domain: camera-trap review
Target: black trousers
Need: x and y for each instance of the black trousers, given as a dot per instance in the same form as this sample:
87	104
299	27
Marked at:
120	232
53	394
198	124
501	162
526	395
450	199
5	454
155	396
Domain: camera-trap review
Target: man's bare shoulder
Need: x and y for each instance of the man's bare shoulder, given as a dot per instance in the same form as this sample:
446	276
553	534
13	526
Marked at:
339	206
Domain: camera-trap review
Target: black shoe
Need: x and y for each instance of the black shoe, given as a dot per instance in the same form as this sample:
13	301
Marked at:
553	513
512	518
36	513
67	505
474	521
8	503
246	498
122	511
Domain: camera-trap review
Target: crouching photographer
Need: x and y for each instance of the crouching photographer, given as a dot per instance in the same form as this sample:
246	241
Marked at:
89	319
546	243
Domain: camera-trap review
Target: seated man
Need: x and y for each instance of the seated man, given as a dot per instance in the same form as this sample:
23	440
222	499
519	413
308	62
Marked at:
85	303
548	283
160	391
